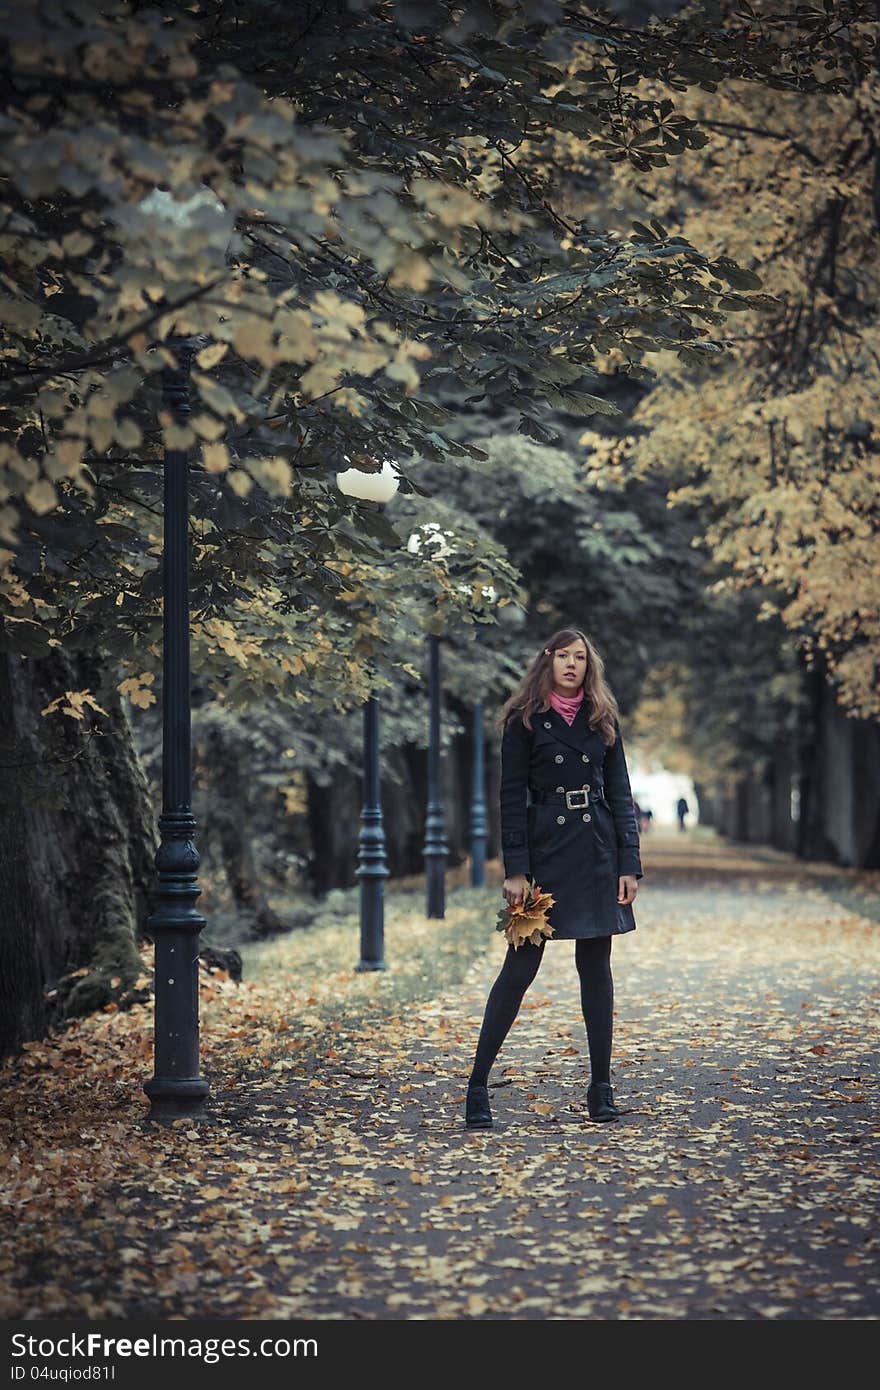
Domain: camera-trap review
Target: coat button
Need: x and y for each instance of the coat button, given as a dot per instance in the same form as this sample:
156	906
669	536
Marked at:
547	724
560	789
560	820
559	758
584	758
586	815
586	787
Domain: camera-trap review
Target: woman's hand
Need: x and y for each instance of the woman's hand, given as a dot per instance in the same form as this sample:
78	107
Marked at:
627	887
514	889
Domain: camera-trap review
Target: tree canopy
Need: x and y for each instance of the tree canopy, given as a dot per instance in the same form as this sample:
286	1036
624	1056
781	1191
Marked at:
358	214
774	442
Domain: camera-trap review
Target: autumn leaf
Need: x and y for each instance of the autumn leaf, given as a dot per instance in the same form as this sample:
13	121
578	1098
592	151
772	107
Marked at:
137	689
74	703
527	920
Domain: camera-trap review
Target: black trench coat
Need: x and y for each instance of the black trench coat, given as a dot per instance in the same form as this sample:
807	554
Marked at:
576	854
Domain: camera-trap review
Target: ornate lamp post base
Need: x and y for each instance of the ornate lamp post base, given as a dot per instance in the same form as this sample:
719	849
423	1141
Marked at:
372	867
174	1099
176	1089
372	879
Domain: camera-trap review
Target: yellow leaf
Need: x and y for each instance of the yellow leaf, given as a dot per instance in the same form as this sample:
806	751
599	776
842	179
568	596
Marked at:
212	354
73	703
135	687
320	378
127	434
341	313
77	243
69	454
102	434
411	271
253	338
215	457
274	473
176	437
41	496
240	483
208	426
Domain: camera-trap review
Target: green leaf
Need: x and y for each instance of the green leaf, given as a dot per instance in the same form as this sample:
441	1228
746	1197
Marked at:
735	275
584	404
644	233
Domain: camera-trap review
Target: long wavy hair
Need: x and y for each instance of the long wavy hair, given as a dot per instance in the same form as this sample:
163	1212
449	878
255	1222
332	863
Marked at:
533	693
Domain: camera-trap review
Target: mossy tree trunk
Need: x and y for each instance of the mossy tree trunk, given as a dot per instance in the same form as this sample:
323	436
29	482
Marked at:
77	839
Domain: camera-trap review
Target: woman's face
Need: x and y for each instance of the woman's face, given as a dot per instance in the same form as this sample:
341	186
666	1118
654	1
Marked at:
570	666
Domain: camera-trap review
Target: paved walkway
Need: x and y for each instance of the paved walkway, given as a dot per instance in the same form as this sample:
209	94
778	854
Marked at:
340	1182
741	1183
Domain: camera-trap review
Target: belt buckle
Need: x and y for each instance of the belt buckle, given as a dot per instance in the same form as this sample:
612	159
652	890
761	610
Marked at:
573	805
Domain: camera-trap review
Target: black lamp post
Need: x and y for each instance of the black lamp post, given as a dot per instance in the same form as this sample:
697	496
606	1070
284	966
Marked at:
176	1089
372	869
479	827
436	851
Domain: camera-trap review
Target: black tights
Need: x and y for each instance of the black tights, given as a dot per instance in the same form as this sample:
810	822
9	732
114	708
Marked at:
593	960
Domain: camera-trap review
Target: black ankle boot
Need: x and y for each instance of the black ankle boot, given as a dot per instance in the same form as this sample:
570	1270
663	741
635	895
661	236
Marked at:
477	1112
600	1101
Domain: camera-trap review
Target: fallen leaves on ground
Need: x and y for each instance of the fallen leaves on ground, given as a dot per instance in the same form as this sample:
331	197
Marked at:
334	1178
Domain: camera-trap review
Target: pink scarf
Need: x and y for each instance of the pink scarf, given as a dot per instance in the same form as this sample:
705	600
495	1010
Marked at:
567	705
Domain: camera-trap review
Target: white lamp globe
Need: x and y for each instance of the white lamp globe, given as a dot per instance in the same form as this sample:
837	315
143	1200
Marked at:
371	487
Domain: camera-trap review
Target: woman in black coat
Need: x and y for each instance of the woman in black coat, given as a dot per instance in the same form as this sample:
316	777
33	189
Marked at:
567	821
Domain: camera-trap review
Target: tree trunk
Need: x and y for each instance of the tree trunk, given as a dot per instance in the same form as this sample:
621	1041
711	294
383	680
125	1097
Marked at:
757	823
866	792
849	755
813	840
738	812
782	827
77	841
22	1010
228	818
706	802
335	814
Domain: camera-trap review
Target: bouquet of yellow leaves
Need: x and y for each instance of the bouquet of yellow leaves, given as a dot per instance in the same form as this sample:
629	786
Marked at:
527	920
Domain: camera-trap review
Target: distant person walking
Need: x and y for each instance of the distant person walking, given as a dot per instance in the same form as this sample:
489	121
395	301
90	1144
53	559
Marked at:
681	811
577	838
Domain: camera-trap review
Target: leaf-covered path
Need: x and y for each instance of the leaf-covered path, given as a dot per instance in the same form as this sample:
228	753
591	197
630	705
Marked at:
337	1180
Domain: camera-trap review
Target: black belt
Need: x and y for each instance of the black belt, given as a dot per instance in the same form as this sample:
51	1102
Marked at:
579	797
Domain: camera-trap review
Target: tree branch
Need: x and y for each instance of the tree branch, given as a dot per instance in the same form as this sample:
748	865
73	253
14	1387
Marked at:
100	356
